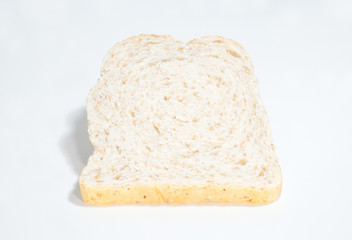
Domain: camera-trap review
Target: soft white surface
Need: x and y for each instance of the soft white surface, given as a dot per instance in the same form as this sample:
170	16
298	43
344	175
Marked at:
168	112
50	55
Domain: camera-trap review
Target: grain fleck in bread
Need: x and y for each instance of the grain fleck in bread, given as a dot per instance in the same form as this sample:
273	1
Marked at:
178	122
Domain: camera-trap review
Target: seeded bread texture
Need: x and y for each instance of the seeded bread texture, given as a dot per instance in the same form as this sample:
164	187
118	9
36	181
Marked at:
175	122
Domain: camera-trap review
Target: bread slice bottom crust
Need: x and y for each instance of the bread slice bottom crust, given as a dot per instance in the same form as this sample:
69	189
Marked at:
177	194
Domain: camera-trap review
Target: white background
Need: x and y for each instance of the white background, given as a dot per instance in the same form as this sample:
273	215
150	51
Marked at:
50	55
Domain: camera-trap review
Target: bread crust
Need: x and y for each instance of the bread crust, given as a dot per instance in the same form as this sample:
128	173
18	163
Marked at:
174	194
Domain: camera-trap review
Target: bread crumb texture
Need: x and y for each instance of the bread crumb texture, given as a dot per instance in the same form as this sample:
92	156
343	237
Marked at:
175	122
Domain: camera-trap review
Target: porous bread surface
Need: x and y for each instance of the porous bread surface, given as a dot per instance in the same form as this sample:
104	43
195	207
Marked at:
181	116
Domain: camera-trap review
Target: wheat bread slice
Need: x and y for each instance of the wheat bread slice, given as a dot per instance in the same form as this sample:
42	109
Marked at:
175	122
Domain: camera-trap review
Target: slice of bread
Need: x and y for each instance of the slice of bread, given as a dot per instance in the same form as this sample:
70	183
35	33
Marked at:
175	122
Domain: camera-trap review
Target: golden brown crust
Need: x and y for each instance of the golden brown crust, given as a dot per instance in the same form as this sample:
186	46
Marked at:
157	194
